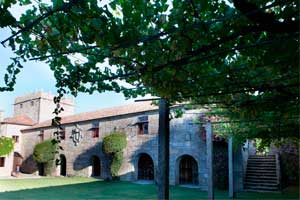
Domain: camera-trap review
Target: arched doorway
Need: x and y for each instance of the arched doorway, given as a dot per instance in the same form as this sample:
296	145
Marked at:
145	167
96	166
18	159
63	165
188	170
41	169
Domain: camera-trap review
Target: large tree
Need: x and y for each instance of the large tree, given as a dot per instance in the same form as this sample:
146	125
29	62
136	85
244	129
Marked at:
240	55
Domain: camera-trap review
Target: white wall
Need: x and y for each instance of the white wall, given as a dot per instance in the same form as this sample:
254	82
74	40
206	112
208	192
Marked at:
8	130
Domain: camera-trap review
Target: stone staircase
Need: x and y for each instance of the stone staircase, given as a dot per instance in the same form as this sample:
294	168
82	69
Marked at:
262	174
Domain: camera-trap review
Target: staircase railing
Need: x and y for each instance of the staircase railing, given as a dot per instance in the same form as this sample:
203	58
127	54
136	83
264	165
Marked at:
278	174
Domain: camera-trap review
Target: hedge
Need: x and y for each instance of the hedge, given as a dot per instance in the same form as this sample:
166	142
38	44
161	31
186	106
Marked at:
6	145
45	152
113	145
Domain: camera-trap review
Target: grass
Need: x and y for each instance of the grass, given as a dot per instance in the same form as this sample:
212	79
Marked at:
88	188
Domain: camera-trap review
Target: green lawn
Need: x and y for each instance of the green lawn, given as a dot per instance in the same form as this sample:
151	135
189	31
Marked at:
88	188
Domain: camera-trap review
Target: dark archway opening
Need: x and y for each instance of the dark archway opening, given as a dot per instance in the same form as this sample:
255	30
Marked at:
63	165
18	159
145	167
96	166
41	168
188	170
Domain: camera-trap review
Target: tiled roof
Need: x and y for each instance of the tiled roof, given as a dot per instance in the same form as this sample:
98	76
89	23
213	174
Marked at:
103	113
19	120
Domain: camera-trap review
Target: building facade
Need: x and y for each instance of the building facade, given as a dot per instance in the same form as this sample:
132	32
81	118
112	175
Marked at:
82	137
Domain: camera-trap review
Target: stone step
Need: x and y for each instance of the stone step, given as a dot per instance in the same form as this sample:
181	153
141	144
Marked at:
262	164
261	188
262	191
252	174
262	167
262	160
258	156
261	178
261	182
261	171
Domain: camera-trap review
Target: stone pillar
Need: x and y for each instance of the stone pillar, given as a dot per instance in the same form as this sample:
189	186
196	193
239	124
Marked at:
230	168
163	150
209	147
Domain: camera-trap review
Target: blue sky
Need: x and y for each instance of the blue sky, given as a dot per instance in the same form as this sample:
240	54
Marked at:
37	76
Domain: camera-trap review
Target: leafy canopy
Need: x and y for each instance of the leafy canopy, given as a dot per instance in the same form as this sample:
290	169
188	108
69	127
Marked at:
238	55
6	146
45	152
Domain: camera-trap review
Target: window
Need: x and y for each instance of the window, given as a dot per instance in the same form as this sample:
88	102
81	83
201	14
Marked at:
32	103
95	129
21	105
95	132
16	138
41	136
2	161
62	134
143	128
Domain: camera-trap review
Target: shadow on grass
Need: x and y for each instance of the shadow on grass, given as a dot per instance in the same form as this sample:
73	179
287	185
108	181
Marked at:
126	190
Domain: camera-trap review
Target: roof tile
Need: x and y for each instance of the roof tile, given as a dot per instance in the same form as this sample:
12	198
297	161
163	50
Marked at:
103	113
19	120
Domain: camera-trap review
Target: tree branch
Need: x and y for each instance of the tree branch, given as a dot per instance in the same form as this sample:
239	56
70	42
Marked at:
265	20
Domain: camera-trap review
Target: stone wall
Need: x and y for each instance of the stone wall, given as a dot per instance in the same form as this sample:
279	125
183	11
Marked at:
9	130
184	140
39	106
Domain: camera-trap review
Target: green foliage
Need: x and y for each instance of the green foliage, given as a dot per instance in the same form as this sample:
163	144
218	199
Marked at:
45	152
116	163
114	145
6	145
115	142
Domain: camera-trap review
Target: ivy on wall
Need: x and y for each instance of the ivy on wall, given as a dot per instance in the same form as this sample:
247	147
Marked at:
44	153
114	145
6	146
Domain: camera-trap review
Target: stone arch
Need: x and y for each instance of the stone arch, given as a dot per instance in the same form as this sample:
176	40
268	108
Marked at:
96	166
63	165
187	170
144	167
17	162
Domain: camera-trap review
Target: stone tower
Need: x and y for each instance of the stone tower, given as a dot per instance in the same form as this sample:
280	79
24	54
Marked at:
39	106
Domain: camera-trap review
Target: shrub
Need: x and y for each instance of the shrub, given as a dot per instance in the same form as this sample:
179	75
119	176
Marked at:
45	152
113	145
6	146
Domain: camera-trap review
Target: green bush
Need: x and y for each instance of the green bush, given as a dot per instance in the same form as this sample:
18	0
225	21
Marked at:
116	163
6	145
113	145
45	152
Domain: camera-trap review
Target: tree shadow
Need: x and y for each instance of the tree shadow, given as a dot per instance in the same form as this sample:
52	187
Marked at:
29	166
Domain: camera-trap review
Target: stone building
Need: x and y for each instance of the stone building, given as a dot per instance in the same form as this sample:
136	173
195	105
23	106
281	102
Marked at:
83	133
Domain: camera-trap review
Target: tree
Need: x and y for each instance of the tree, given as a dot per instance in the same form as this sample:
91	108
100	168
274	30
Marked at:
113	145
239	55
44	153
6	145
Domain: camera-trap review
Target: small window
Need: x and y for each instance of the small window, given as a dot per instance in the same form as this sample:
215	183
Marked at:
143	128
2	161
32	103
16	138
62	134
95	132
21	105
41	136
